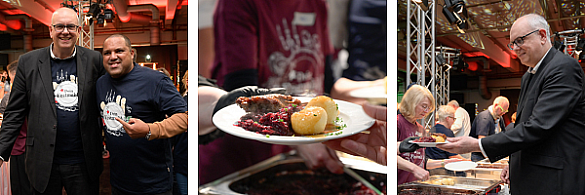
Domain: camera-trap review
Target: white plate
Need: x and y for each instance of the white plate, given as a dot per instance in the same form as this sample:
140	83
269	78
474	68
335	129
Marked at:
427	144
351	114
460	166
369	92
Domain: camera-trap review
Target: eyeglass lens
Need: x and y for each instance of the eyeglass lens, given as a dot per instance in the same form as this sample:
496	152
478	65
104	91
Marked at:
61	27
519	41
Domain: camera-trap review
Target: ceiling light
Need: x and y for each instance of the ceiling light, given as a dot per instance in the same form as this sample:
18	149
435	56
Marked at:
456	12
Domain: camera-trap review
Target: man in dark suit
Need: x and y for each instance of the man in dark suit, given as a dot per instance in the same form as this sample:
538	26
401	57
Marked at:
54	89
546	145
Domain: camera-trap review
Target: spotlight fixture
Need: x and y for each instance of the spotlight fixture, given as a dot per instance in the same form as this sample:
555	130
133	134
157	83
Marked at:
456	12
94	10
458	63
108	14
580	44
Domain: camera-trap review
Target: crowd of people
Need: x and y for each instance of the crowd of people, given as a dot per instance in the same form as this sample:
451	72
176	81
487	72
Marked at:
544	142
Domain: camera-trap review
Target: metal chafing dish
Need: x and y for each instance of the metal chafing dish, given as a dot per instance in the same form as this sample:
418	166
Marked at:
461	185
256	175
487	170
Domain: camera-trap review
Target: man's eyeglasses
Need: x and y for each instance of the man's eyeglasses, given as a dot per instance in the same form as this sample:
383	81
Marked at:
61	27
505	111
452	117
519	41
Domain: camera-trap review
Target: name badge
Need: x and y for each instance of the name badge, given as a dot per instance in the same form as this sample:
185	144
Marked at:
304	19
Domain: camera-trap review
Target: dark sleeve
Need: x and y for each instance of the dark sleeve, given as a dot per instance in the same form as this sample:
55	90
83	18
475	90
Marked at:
17	110
242	78
202	81
169	99
558	108
4	102
375	8
483	126
329	78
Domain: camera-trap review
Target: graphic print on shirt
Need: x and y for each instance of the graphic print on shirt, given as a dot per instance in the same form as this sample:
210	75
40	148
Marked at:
295	72
65	92
114	106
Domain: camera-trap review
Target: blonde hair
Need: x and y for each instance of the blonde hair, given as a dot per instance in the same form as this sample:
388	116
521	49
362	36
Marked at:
444	112
514	117
185	77
414	96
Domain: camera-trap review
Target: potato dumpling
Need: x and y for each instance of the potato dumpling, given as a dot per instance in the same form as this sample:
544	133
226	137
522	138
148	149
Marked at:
448	181
311	120
328	104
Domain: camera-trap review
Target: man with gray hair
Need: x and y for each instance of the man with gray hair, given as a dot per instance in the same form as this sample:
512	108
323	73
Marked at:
462	124
546	146
446	115
488	122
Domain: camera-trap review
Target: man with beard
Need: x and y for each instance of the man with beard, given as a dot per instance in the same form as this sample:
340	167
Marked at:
130	96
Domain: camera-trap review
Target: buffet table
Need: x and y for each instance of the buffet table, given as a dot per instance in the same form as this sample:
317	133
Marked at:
484	179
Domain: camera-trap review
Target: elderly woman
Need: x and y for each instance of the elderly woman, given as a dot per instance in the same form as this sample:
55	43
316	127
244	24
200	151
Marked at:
416	104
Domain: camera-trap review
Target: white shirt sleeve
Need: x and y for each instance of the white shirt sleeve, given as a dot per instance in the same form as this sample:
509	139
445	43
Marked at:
481	147
458	124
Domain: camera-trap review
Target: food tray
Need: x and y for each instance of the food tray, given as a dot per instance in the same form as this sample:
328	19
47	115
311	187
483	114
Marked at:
424	189
478	186
283	167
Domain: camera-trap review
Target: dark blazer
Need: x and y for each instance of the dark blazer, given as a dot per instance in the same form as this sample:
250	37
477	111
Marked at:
32	97
547	144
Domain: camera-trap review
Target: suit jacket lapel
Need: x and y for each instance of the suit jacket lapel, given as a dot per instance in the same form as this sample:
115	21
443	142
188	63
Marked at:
44	67
529	78
81	77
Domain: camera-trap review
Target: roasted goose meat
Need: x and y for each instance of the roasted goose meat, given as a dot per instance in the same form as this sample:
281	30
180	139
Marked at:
266	103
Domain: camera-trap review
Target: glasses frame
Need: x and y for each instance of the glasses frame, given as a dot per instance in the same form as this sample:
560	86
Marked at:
65	27
520	40
505	111
425	108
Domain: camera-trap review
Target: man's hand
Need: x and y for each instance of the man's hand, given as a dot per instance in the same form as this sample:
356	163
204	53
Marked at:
505	175
246	91
460	145
135	128
317	155
371	146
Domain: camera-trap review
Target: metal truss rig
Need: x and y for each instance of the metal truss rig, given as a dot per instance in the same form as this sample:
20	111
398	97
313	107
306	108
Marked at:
420	49
570	39
86	38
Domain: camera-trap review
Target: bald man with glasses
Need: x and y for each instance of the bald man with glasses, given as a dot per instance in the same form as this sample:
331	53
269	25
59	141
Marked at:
547	144
54	89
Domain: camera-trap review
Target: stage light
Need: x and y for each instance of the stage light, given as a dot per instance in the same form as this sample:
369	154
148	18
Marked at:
94	10
108	14
456	13
458	62
580	44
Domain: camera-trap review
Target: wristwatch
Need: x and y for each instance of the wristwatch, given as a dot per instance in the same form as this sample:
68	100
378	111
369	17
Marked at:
147	135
